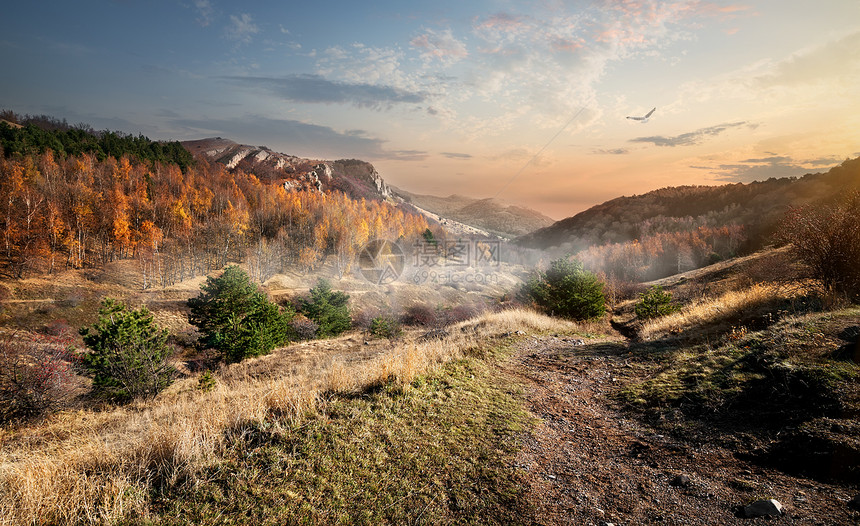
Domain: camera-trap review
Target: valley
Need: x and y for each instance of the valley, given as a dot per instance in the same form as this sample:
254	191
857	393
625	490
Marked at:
578	423
696	355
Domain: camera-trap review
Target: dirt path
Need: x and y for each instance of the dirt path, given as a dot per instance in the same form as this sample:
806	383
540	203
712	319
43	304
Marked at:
589	463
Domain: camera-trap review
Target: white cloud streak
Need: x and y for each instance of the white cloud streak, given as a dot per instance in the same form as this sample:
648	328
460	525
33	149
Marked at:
242	28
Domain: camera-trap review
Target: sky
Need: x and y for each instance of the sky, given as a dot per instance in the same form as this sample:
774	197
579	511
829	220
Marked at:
524	101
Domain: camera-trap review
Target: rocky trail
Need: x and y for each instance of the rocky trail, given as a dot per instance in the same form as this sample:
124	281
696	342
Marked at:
590	463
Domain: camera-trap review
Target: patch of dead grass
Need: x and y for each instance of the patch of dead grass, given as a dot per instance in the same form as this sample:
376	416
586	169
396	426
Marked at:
97	467
725	308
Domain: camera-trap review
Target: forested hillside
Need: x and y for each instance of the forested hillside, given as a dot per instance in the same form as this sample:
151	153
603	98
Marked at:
675	229
755	206
74	211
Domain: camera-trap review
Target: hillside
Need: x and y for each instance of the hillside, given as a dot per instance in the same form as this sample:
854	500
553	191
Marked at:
357	179
489	214
511	416
76	211
756	206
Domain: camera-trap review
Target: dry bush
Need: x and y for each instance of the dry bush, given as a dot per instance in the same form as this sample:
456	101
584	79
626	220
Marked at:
100	467
422	315
363	318
37	374
827	239
305	328
463	312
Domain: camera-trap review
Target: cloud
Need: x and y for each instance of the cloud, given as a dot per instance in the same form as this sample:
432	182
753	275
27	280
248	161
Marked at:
504	26
761	169
689	138
722	12
316	89
834	59
458	156
821	75
405	155
242	28
613	151
550	61
296	138
205	12
441	46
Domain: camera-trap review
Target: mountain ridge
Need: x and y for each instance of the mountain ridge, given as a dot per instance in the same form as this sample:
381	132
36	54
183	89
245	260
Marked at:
360	179
356	178
489	214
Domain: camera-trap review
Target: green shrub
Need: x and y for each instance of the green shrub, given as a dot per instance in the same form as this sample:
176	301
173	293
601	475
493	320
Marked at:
237	318
327	308
655	302
128	353
385	327
566	289
206	382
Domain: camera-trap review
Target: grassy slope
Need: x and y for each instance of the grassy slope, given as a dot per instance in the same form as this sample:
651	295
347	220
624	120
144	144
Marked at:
399	435
426	432
436	450
764	368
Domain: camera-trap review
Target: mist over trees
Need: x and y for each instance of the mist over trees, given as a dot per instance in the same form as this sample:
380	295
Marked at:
671	230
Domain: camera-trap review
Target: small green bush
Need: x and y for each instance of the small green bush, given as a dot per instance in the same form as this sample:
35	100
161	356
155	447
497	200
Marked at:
566	289
327	308
206	382
237	318
128	357
385	327
655	302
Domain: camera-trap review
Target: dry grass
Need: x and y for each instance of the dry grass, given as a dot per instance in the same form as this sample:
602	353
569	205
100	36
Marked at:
95	467
726	308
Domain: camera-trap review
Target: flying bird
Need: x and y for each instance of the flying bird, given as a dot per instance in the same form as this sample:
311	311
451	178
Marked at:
644	119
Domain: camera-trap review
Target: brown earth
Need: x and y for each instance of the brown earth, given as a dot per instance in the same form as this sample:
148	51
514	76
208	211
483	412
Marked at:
589	462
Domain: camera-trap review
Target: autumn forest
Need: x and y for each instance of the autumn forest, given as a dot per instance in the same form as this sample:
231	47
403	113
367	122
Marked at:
76	211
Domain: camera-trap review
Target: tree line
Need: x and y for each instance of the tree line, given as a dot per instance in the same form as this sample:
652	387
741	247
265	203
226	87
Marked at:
41	135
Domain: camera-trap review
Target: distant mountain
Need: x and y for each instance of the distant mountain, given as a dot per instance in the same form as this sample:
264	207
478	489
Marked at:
358	179
757	206
490	215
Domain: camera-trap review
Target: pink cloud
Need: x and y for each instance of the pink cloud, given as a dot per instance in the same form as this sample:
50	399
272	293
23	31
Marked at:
567	45
503	22
722	12
441	46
